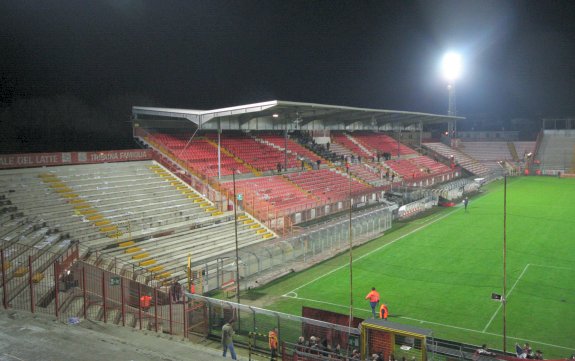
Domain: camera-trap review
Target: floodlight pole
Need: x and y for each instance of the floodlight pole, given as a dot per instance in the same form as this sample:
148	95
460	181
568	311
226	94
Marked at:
398	138
285	147
236	236
219	152
451	109
504	262
350	254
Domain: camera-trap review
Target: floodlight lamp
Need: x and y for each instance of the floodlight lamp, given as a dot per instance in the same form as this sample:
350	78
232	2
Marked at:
451	65
275	115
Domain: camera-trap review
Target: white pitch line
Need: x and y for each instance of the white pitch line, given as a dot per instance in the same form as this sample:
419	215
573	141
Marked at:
369	311
506	296
437	323
375	250
554	267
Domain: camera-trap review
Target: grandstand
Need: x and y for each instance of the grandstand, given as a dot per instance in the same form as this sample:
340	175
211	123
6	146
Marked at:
253	179
129	211
556	151
466	162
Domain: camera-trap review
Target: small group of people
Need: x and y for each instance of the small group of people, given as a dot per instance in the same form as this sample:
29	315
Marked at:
526	352
373	298
317	346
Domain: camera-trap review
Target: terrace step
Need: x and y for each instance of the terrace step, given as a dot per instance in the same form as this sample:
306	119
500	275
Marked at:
126	244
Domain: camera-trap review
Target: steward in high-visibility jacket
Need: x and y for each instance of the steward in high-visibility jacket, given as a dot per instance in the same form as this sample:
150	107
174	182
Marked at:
383	311
273	343
373	298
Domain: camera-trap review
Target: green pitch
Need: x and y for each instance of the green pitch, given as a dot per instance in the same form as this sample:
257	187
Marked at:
439	271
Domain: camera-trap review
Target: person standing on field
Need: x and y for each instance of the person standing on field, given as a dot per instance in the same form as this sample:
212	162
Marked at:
465	203
373	298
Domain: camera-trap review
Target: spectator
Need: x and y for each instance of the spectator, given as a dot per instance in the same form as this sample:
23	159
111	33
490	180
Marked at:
483	351
176	291
325	347
538	355
355	355
69	281
527	350
337	350
227	339
301	346
519	351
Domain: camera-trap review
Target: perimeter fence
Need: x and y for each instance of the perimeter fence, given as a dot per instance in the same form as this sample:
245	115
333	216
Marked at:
318	243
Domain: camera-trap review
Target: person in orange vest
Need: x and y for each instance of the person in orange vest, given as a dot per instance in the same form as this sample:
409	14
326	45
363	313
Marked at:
383	311
373	298
145	302
273	342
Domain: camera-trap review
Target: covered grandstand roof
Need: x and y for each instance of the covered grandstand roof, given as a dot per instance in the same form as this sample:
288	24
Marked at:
269	114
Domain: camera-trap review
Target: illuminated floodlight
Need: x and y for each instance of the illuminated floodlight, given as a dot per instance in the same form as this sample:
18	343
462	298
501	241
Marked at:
275	115
451	65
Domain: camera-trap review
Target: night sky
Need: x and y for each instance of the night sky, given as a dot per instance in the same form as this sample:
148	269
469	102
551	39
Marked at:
519	56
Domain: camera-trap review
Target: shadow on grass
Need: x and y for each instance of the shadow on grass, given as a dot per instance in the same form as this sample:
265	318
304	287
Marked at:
253	295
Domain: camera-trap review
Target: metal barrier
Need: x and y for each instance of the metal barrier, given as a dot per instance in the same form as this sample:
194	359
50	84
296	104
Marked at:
31	277
250	321
71	289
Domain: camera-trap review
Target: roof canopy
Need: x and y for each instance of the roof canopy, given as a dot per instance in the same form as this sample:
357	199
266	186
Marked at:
276	114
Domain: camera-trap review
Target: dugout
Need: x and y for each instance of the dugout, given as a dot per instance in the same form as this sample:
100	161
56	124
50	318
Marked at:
394	338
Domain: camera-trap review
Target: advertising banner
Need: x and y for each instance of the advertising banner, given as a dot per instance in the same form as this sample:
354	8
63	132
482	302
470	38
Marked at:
31	160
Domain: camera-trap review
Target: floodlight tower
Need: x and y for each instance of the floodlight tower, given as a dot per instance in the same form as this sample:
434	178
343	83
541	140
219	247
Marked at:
451	66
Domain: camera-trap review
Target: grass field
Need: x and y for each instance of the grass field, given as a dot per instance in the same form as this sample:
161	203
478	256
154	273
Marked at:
439	271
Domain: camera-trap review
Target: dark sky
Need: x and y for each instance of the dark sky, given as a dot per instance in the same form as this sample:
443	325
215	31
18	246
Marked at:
519	56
